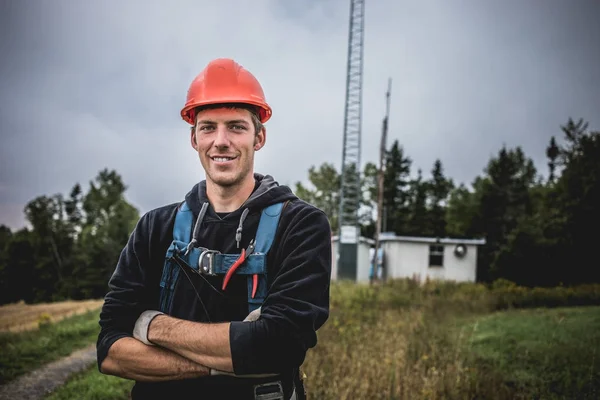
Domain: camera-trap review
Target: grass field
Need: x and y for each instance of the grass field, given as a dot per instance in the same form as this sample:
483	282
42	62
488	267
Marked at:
402	341
543	352
92	385
447	342
18	317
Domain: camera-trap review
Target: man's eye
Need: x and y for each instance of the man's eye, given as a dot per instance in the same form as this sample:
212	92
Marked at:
241	127
206	127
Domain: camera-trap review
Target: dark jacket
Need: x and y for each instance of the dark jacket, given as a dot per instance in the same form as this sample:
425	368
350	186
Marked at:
297	304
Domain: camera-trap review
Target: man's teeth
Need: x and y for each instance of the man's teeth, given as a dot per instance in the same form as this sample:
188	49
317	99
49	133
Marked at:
222	158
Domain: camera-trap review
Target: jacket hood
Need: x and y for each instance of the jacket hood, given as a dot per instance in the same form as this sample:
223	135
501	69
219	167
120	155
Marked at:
267	191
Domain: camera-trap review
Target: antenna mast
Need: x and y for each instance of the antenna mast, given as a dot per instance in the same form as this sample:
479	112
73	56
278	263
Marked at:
349	231
380	177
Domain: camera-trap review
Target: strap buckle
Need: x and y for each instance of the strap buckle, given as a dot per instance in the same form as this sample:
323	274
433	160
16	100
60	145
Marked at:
268	391
206	262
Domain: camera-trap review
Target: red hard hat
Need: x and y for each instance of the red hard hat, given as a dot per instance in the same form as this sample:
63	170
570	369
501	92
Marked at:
225	81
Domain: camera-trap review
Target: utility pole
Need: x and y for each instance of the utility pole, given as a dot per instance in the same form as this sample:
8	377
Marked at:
380	177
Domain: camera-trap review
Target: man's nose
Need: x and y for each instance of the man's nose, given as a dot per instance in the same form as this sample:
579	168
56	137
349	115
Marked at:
222	136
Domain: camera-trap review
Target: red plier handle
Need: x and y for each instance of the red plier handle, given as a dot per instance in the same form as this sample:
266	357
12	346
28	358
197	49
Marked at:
245	253
234	266
254	284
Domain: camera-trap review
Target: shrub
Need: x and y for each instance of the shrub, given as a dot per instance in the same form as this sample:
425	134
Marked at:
44	320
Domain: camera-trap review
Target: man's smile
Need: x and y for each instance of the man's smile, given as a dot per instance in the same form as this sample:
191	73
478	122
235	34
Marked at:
223	159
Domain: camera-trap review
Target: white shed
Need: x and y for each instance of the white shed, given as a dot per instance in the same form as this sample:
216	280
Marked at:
417	257
427	257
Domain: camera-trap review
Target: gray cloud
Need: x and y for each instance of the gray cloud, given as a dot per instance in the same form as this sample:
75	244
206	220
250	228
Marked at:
93	85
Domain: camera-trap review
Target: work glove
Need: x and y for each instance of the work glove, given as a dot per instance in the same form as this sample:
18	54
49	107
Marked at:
253	316
140	330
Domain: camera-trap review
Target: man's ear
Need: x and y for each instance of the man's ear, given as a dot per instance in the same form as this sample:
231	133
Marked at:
193	138
260	139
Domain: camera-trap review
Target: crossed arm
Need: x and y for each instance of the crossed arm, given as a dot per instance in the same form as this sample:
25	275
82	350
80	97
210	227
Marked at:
178	349
202	343
183	349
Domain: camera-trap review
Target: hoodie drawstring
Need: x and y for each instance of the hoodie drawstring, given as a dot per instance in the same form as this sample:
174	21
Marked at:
238	232
197	227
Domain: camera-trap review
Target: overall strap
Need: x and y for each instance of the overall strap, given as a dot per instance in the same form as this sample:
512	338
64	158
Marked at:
265	234
267	227
182	233
255	266
182	230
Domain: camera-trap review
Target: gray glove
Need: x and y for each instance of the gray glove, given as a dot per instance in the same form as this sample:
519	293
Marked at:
253	316
140	330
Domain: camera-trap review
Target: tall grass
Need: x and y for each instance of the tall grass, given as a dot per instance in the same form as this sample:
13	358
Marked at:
403	340
438	340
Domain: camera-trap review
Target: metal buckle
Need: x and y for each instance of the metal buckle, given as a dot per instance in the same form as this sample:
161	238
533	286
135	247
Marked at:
206	262
268	391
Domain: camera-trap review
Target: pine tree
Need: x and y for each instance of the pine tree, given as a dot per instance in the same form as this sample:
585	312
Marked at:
552	152
418	224
396	190
440	188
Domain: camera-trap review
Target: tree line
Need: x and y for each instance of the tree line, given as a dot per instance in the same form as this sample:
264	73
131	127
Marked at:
539	231
71	246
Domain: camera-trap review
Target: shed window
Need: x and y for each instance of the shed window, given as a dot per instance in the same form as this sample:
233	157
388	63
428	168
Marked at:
436	256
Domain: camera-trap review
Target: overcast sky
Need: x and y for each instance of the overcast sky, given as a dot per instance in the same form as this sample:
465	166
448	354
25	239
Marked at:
93	84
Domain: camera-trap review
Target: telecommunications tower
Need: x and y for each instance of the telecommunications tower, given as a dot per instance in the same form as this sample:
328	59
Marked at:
349	230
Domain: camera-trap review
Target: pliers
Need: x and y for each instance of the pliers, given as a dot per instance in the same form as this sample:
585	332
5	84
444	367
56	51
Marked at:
241	259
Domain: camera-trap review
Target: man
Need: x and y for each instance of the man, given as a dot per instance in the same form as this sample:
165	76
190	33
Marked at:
181	316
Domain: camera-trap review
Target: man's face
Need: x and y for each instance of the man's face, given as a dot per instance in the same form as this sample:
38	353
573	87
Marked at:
225	141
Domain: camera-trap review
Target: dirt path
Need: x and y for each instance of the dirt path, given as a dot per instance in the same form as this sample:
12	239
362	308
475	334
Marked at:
39	383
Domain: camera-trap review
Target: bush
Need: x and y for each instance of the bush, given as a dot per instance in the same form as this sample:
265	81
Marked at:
468	296
512	296
44	320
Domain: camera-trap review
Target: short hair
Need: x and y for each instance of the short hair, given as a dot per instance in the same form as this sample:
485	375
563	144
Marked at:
254	113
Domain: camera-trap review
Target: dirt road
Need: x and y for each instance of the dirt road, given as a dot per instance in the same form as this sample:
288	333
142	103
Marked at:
37	384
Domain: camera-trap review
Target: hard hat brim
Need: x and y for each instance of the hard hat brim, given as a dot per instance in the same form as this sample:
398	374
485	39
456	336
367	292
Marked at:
188	115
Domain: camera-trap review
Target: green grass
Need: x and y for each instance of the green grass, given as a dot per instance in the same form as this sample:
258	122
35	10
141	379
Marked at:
399	341
23	352
92	385
542	353
448	341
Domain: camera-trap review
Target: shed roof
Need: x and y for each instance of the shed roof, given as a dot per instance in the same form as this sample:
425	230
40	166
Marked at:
387	237
423	239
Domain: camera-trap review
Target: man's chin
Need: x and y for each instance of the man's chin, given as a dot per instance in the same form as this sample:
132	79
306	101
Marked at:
225	180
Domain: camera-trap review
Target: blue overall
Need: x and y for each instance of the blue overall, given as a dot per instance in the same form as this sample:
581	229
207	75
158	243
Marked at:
211	262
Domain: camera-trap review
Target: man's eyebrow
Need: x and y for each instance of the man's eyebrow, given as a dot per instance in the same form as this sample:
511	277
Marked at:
233	121
238	121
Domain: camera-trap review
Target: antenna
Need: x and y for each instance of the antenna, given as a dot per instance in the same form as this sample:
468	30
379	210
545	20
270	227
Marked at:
350	192
380	177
